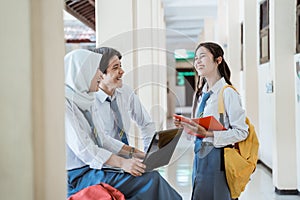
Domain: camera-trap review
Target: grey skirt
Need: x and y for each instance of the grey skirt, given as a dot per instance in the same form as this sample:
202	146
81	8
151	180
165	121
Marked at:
209	176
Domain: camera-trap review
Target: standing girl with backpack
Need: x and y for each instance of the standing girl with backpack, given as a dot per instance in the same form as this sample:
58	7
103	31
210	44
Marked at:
209	180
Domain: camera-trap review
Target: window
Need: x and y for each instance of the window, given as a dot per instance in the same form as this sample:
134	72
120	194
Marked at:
264	35
242	47
186	81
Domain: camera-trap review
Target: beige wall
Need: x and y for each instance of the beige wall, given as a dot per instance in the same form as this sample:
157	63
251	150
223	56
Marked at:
32	112
16	130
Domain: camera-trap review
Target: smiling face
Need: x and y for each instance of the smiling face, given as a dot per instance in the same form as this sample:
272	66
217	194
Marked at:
205	64
112	79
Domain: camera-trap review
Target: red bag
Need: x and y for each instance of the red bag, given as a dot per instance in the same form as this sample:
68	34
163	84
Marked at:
102	191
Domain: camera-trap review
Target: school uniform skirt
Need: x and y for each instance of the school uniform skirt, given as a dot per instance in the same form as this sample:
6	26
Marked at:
149	186
209	180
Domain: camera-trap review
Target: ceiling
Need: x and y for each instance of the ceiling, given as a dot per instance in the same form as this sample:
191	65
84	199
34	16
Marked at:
83	10
184	19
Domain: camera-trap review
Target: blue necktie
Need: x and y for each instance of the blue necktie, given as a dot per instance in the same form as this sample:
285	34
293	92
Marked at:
198	140
204	98
118	120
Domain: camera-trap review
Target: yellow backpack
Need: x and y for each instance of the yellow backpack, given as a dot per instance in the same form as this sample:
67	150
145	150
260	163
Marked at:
240	161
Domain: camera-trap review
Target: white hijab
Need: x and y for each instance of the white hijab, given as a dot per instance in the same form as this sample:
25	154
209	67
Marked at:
80	68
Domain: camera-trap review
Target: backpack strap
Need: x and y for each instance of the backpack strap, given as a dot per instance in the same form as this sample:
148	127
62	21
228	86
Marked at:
221	107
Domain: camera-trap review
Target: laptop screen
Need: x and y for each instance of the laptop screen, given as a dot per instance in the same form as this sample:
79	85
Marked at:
161	148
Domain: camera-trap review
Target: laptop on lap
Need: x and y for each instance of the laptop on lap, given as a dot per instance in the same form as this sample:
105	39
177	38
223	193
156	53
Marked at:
159	152
162	148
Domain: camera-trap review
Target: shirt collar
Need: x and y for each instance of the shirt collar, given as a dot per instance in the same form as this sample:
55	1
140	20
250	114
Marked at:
216	87
102	96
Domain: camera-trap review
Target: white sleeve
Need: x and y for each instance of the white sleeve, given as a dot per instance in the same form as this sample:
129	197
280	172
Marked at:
142	118
236	116
110	143
78	139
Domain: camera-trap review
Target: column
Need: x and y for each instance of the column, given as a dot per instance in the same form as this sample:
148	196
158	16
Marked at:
48	102
234	42
282	49
32	100
209	30
159	68
221	25
114	28
250	64
133	28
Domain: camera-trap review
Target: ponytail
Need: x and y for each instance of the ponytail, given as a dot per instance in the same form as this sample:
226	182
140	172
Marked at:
224	71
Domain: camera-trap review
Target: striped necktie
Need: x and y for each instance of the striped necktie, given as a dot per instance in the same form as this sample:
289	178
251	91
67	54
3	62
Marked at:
118	119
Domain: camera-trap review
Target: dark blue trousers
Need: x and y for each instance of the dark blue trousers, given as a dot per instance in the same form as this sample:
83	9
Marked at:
149	186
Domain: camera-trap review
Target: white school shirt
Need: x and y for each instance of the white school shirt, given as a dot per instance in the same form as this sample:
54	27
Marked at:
235	116
80	147
130	108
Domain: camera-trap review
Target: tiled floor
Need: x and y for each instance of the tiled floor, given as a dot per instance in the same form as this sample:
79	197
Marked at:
178	173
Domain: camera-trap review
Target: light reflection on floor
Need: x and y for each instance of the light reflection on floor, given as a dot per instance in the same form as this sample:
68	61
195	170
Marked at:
179	171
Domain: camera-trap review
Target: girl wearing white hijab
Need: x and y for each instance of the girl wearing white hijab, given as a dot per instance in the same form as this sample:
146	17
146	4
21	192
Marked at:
89	152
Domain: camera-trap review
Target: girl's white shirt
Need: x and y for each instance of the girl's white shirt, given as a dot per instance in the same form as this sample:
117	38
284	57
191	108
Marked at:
80	68
81	148
235	116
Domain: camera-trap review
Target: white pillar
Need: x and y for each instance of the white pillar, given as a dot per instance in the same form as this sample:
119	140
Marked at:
134	28
297	97
48	101
282	49
221	25
16	115
209	30
250	64
151	61
234	41
114	28
266	110
159	77
32	101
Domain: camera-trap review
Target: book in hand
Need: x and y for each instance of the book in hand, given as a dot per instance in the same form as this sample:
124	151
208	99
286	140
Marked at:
209	123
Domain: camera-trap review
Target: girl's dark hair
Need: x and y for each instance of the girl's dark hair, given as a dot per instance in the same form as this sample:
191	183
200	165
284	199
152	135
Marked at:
224	71
107	54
